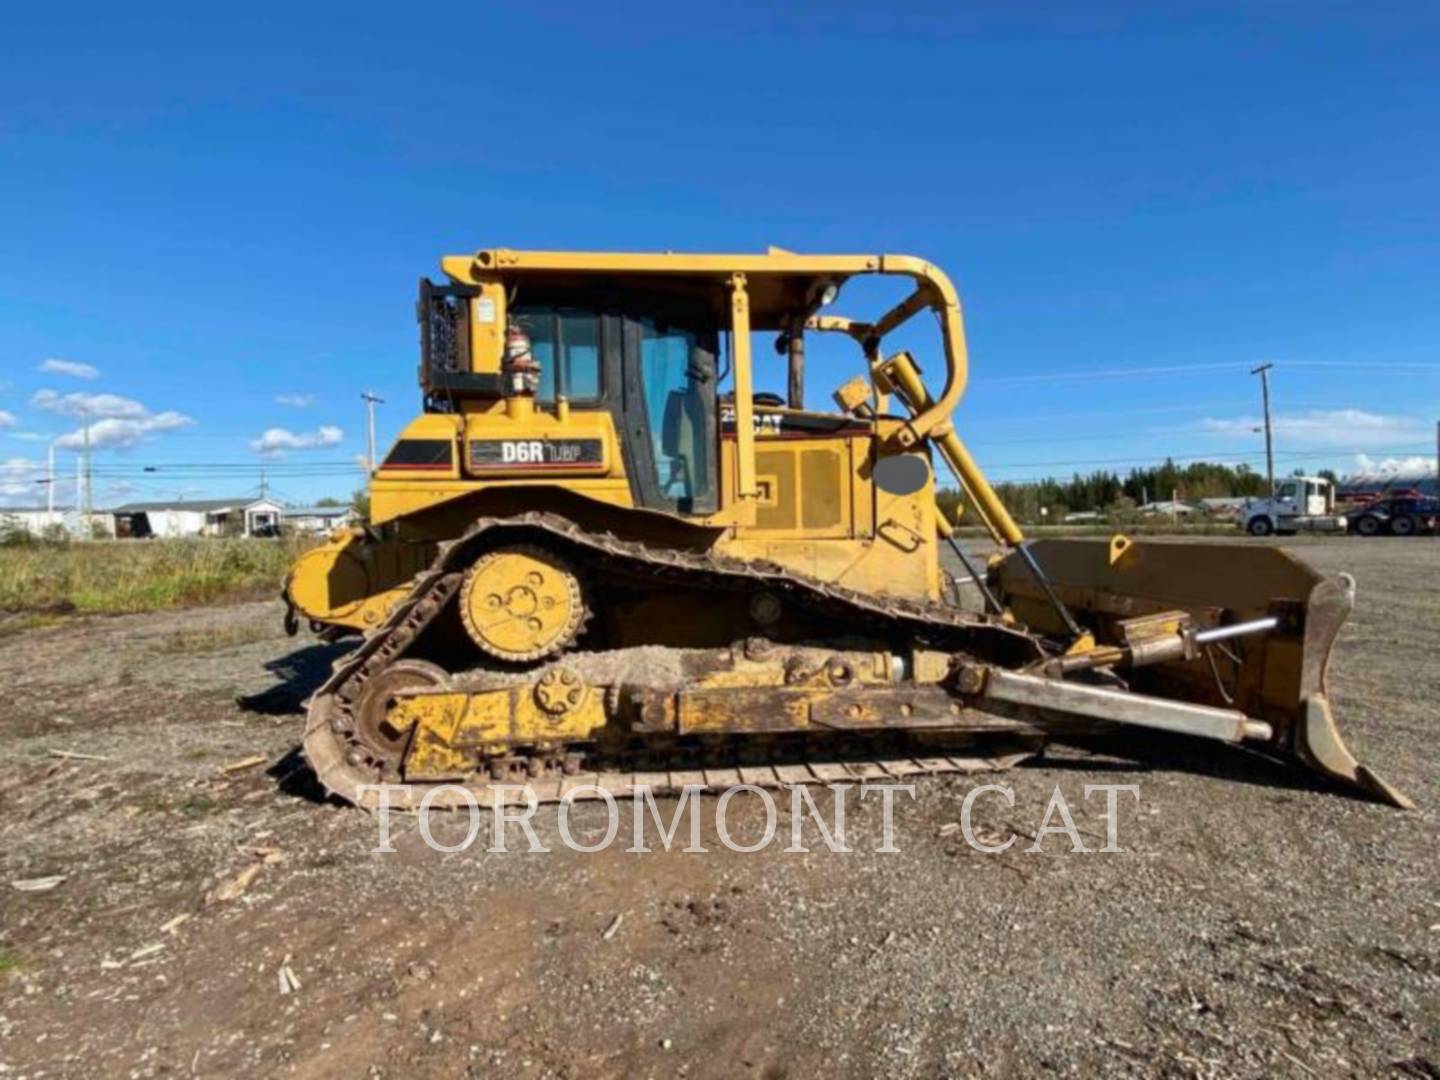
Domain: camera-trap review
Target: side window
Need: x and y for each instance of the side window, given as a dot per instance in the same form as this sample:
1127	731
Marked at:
566	344
1287	490
580	356
679	398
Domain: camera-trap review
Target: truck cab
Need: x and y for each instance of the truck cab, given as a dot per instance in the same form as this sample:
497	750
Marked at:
1299	504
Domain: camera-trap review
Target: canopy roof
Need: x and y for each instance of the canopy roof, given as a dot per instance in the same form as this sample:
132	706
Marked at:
780	284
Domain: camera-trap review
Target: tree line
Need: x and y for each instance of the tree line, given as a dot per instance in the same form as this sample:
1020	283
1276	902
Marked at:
1106	491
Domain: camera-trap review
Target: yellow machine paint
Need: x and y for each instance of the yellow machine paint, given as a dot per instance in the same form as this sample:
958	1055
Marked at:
803	498
595	475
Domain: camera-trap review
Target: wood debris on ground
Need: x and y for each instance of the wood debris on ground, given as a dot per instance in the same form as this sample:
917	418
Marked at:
289	981
39	884
244	763
234	887
73	755
267	855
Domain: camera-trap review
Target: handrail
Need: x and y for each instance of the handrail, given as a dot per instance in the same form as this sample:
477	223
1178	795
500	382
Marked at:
946	302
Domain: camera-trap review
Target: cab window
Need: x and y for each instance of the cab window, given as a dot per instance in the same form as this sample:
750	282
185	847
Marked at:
1287	490
678	387
566	344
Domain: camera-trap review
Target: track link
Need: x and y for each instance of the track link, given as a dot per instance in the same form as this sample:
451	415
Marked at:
344	765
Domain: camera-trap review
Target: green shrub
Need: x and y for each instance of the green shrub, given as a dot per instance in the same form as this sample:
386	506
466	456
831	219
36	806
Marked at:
111	577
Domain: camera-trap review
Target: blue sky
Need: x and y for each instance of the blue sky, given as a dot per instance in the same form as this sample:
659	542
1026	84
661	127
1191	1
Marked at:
220	214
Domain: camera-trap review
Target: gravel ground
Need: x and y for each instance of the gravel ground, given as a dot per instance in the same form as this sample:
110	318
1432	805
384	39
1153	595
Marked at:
1254	925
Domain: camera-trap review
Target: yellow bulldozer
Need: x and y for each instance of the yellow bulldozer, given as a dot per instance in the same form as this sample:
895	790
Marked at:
600	560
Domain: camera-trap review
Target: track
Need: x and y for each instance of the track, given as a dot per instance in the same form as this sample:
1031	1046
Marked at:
345	765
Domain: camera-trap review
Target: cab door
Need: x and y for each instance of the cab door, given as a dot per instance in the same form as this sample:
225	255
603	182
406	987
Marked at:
671	434
1287	500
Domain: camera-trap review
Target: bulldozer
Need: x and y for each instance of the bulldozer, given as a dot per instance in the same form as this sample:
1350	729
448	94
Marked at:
599	560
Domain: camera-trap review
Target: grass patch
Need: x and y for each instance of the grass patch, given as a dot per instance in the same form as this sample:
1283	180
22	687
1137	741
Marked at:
200	806
151	802
30	620
216	639
195	804
122	576
10	961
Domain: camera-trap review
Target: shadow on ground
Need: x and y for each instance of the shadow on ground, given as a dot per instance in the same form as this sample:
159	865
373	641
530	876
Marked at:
294	777
1145	752
300	673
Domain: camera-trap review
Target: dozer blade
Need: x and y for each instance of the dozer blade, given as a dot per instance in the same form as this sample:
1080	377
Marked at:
1277	676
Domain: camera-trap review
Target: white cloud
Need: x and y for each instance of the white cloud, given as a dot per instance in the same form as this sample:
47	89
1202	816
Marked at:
56	366
1365	465
7	419
296	401
17	466
275	441
97	406
115	422
121	433
1323	427
18	482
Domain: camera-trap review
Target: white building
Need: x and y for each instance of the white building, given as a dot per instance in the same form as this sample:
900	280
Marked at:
1169	507
317	519
1228	506
40	520
198	517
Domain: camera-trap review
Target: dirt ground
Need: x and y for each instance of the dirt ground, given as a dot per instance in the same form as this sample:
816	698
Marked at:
1255	925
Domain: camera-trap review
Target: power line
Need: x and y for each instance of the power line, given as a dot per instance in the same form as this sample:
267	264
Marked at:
1011	418
185	468
272	463
1165	371
1112	373
1359	365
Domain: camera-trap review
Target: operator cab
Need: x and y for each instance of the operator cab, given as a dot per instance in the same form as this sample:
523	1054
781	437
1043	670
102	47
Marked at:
628	379
647	356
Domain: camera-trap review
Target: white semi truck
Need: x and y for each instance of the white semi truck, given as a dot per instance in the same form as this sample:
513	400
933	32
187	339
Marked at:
1300	504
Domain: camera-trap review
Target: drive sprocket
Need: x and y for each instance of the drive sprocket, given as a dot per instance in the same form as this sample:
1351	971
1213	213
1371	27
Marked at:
522	603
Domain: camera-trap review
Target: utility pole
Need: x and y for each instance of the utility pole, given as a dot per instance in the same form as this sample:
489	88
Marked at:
370	402
50	493
88	508
1264	372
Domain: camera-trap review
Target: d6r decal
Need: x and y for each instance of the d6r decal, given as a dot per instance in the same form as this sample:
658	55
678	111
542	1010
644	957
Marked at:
557	455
